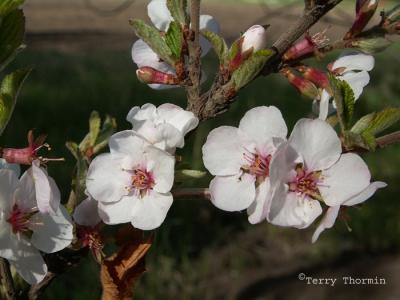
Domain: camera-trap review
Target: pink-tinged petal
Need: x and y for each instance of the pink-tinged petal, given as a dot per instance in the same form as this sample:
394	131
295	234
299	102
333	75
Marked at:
107	179
181	119
8	185
355	62
233	193
365	194
258	210
263	123
151	210
223	151
52	232
161	165
128	143
207	23
296	211
86	213
14	167
118	212
357	81
30	264
317	142
159	14
345	179
47	193
327	222
324	105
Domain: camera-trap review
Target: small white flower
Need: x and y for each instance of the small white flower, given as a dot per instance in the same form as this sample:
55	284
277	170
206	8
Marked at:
165	126
310	169
132	183
352	68
254	38
159	14
24	230
240	158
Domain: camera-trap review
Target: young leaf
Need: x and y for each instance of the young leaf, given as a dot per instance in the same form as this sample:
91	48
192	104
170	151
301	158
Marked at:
185	174
7	6
362	124
250	68
12	29
152	37
344	99
9	91
107	130
218	43
174	39
383	120
177	8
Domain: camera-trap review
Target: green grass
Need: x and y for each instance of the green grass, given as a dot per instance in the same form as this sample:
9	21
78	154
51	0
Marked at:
64	88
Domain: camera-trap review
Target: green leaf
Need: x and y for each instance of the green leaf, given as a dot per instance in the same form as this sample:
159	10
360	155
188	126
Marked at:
174	39
9	91
7	6
94	128
383	120
79	182
185	174
178	9
218	43
363	123
12	31
369	140
250	68
344	99
152	37
107	130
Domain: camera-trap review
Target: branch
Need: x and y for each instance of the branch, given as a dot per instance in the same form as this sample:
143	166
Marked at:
37	289
389	139
193	90
189	193
7	280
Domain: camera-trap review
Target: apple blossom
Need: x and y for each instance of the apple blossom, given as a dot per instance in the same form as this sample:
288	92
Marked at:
132	183
240	160
24	230
309	170
352	68
144	56
164	126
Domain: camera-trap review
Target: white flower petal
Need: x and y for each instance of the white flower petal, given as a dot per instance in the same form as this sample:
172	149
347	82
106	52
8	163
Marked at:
327	221
138	115
106	179
15	167
317	142
223	151
355	62
128	143
9	242
161	164
263	123
86	213
159	14
118	212
30	264
296	211
357	81
151	210
25	194
207	23
181	119
254	37
345	179
8	184
365	194
233	193
324	105
258	210
53	232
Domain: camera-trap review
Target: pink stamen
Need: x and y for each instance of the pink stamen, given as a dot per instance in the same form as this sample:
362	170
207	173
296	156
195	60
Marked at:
142	181
306	183
20	219
258	165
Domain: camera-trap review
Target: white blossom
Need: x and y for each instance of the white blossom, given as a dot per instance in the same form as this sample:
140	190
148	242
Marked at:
240	158
254	38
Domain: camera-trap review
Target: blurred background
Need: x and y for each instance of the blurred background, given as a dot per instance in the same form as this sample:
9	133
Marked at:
80	50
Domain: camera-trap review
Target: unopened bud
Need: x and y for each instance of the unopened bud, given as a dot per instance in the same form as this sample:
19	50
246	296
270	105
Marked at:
316	76
305	47
150	75
371	45
254	38
365	9
303	86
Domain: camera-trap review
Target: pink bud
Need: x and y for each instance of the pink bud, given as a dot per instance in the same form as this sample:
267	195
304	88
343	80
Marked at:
303	86
150	75
315	76
365	9
305	47
254	38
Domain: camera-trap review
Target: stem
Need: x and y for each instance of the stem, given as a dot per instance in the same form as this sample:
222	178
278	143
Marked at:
37	289
388	139
186	193
7	280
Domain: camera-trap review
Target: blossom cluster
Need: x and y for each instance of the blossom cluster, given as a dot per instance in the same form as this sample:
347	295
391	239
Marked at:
285	181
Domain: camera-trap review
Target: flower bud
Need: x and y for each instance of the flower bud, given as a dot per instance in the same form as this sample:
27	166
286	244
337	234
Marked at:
305	47
303	86
371	45
316	76
150	75
255	38
365	9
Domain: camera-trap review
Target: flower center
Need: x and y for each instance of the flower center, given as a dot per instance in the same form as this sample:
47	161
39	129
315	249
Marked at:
91	237
20	220
258	165
142	181
306	183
